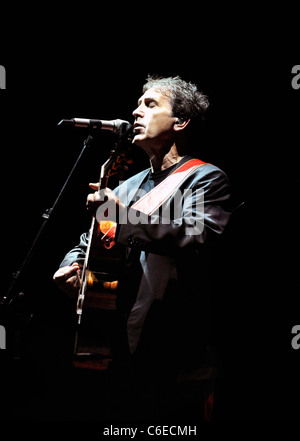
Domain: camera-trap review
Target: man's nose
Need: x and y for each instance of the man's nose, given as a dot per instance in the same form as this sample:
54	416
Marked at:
138	112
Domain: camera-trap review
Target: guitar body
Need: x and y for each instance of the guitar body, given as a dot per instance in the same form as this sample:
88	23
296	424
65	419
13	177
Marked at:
95	334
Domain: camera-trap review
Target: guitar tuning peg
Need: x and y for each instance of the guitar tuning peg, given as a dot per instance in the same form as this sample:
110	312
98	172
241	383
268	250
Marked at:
121	158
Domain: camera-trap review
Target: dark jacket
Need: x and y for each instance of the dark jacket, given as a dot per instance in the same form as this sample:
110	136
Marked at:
167	314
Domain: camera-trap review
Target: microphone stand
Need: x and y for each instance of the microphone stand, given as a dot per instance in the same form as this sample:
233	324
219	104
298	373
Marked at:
20	321
11	293
13	314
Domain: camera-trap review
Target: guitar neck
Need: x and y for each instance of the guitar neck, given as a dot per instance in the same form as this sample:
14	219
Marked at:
83	280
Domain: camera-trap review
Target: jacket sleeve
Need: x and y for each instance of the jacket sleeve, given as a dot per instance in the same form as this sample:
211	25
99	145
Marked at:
77	254
203	211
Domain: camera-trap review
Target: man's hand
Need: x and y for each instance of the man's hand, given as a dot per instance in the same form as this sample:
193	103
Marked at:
112	208
68	279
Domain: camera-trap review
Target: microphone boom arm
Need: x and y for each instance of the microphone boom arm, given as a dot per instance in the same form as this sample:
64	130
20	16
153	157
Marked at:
118	126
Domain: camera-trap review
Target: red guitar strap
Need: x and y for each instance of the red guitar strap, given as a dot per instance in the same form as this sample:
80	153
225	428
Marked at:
151	201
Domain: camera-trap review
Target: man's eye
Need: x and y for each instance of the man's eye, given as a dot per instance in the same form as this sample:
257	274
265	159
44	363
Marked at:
151	104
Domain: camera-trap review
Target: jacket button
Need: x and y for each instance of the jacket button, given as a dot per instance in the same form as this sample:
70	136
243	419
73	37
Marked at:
130	240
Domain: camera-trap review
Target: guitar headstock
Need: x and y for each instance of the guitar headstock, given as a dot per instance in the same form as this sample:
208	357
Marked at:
121	165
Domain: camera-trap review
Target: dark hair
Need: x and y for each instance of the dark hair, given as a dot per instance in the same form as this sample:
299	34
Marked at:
187	103
186	100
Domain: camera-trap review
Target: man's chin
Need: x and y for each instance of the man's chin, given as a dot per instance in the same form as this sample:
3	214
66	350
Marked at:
138	140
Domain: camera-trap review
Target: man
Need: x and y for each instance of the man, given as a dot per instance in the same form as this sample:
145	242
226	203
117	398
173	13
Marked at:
165	303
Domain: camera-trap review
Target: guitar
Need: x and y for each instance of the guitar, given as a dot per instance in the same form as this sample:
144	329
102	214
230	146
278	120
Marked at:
101	270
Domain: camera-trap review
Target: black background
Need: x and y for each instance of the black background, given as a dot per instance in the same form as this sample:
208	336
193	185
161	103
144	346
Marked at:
64	68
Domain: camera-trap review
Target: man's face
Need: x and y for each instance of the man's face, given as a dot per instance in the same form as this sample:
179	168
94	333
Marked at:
154	121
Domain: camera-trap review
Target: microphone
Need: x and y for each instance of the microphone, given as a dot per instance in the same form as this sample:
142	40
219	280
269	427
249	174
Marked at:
117	126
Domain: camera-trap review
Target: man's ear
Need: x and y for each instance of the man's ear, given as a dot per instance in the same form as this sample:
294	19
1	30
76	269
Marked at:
180	125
